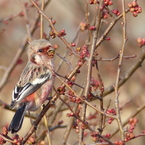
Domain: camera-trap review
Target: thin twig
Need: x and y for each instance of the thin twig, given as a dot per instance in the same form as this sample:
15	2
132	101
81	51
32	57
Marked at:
47	133
116	87
41	20
57	127
64	59
7	138
70	81
69	127
114	58
55	112
96	37
26	21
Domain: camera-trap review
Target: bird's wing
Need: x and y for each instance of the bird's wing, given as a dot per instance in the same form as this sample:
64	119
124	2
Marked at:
32	78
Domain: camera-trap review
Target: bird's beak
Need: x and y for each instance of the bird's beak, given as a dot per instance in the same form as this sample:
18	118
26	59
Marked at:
51	53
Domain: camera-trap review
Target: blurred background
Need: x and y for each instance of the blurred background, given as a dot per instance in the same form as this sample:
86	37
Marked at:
68	16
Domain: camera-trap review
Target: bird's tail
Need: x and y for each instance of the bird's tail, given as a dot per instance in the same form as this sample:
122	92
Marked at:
17	120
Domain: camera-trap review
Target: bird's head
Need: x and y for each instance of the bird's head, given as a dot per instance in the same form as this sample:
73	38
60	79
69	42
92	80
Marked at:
40	51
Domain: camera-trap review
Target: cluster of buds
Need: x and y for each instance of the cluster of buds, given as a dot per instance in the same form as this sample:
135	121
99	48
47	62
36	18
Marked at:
105	14
120	142
84	52
70	114
45	35
76	114
108	2
19	61
73	98
55	46
4	133
93	116
116	12
134	8
26	5
5	130
77	126
31	140
141	42
107	135
71	81
94	83
61	90
143	131
94	135
36	2
93	2
90	96
17	139
111	112
61	33
80	62
21	14
132	123
78	49
131	128
83	126
83	26
92	28
52	34
72	44
53	22
129	135
2	141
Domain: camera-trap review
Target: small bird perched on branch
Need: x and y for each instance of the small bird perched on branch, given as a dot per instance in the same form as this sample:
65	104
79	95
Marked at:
37	73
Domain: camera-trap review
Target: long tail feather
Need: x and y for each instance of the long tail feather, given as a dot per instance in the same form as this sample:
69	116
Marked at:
17	120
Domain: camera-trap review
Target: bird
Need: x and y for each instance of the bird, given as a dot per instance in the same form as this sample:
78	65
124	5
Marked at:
38	73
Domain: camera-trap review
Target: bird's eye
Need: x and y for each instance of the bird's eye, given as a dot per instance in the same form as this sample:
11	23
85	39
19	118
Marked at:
40	50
